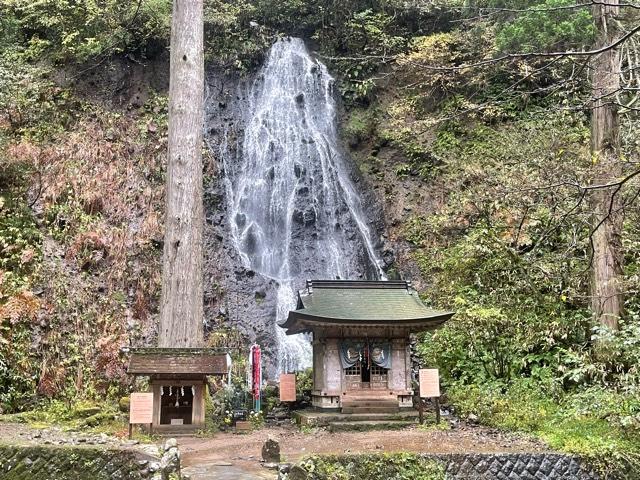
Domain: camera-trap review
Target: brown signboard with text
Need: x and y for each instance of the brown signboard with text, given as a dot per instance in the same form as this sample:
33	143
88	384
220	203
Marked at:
243	426
429	383
141	408
287	387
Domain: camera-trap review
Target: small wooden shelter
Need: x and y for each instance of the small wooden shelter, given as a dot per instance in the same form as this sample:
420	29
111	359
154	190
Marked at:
361	348
178	382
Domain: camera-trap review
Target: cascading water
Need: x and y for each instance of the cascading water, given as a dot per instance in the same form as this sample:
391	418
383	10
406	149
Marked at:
293	210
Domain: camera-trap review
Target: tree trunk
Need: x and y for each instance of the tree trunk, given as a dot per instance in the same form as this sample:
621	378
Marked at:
181	306
606	288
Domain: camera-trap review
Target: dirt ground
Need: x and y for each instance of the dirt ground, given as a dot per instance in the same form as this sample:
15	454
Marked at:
233	456
243	450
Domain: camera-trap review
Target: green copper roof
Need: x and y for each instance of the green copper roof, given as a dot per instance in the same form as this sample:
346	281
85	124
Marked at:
361	303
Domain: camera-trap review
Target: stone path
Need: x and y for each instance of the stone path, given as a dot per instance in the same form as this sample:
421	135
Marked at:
222	471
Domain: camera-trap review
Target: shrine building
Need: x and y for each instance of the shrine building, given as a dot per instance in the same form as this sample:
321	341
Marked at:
361	348
178	379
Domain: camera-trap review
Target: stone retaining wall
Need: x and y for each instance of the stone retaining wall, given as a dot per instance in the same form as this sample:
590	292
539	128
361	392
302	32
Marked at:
515	466
511	466
46	462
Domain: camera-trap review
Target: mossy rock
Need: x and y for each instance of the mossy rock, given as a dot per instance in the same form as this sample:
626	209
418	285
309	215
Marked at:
123	404
98	419
298	473
86	412
14	418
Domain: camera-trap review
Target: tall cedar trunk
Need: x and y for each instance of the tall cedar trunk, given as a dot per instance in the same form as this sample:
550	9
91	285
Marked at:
606	288
181	308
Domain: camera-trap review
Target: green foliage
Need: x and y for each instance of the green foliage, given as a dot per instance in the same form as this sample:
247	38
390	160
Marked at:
270	398
20	244
238	34
33	106
20	254
616	361
225	400
69	414
545	26
17	375
374	36
63	30
304	382
256	419
396	466
511	257
360	126
500	259
419	156
582	423
512	263
230	40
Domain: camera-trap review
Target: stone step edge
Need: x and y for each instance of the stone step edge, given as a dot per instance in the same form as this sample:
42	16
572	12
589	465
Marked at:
369	425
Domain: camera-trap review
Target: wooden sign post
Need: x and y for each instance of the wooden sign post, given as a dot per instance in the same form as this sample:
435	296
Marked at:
287	387
140	410
429	388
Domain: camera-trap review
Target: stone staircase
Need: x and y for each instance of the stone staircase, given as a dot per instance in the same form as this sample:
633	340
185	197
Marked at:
350	425
366	410
362	410
371	401
359	422
176	430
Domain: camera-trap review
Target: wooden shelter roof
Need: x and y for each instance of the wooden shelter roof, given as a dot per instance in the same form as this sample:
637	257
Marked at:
187	361
361	303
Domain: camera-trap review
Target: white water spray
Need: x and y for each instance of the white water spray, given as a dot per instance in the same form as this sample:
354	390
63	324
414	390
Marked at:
294	211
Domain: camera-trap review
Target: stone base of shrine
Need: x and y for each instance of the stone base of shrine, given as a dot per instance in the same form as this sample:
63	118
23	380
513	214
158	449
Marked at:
338	421
325	402
332	401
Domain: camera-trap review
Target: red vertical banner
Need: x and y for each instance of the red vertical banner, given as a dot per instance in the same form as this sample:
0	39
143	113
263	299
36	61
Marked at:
256	357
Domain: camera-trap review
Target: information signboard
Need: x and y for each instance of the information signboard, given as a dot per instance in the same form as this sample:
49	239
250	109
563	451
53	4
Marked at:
429	383
141	408
287	387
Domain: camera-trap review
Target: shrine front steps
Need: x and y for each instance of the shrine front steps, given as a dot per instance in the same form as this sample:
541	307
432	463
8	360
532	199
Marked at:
372	402
360	421
358	403
371	409
174	430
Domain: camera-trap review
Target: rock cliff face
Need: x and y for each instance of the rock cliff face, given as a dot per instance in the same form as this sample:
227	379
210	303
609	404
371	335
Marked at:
284	200
286	203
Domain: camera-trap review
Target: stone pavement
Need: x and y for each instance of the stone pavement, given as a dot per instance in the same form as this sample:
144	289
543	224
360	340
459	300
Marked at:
225	471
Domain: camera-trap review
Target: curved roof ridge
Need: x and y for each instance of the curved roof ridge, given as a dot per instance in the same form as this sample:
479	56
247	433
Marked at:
386	284
358	302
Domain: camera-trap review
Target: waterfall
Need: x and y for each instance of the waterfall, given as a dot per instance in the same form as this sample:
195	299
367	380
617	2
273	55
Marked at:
293	210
